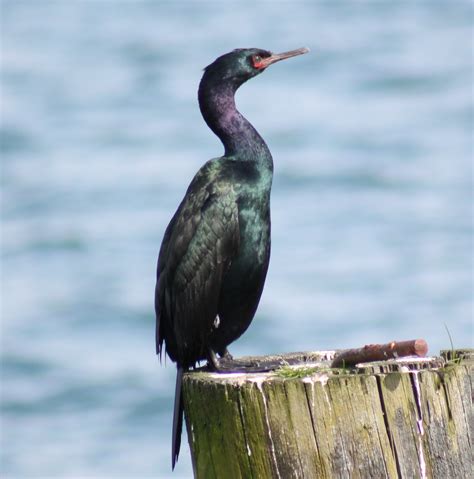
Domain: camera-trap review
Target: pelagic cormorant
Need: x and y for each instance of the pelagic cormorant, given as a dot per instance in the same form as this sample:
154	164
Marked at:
215	252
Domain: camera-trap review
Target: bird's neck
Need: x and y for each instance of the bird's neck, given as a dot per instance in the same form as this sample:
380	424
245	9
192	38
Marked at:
239	137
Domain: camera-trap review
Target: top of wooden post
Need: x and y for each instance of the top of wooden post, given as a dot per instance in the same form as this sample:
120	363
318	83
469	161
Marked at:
316	365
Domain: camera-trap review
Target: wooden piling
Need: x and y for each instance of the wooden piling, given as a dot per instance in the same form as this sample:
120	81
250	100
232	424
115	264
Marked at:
409	418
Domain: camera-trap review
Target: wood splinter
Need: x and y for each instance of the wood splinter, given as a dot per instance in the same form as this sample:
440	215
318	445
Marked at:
380	352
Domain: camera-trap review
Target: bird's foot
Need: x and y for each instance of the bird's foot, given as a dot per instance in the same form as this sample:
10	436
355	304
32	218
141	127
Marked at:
227	364
226	355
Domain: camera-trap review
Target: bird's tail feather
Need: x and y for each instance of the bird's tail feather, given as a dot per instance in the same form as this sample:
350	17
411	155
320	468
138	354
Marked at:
177	417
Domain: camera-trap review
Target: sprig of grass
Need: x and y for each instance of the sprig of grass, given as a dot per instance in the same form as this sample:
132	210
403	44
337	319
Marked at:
454	356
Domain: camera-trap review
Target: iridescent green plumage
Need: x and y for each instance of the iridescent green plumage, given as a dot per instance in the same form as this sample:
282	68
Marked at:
215	253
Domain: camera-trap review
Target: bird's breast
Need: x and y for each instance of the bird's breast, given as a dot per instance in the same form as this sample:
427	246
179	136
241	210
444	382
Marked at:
252	186
254	225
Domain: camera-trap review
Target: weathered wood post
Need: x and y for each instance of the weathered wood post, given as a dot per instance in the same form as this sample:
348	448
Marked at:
408	418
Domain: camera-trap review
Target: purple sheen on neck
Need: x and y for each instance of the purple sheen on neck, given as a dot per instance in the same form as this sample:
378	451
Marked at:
239	137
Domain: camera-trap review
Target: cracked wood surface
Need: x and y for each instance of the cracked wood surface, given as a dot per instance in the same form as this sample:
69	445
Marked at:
408	418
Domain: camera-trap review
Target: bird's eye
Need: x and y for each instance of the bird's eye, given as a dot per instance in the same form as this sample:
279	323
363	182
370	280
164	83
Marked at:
257	61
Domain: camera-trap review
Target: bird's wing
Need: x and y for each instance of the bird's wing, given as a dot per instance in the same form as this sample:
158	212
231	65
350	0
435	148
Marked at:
199	245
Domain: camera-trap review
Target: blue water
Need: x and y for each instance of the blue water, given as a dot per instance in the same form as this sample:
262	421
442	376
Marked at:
101	134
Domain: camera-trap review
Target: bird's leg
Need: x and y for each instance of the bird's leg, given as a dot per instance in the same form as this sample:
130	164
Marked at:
225	363
212	360
226	355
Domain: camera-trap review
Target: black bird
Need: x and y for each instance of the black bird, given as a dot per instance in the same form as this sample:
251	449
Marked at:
215	252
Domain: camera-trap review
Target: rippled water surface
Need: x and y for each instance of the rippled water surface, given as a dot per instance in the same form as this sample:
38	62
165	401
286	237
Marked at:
100	135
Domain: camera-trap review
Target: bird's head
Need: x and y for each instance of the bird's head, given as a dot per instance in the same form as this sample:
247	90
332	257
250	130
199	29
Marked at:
241	64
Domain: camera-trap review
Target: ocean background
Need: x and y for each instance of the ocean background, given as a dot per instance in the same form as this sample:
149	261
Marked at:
371	135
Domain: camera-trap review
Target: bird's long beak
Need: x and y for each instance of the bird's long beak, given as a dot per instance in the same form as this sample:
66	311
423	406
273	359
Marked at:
276	57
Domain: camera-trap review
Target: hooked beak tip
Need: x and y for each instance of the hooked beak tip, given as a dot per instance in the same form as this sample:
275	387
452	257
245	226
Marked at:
276	57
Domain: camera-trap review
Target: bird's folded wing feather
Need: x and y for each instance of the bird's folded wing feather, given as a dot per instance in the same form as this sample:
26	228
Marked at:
198	248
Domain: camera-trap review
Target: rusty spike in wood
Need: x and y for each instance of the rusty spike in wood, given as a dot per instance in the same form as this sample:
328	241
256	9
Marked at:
380	352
